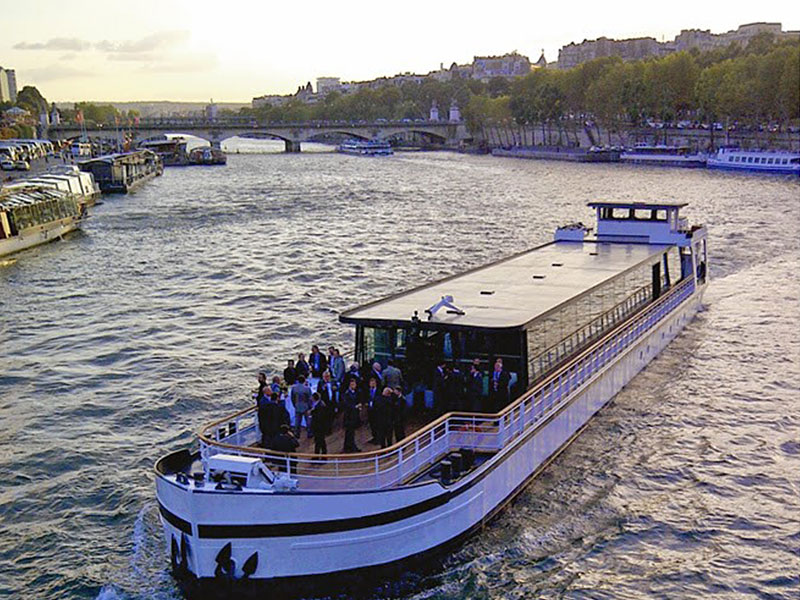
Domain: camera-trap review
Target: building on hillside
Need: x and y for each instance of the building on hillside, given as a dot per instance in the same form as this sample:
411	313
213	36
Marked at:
8	85
270	100
508	65
573	54
326	85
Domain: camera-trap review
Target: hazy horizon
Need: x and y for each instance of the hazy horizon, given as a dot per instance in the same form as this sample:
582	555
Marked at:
194	51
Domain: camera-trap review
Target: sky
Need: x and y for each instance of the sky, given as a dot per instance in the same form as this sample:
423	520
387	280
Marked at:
234	50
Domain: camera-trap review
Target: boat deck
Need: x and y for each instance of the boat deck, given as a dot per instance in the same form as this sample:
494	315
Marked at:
363	435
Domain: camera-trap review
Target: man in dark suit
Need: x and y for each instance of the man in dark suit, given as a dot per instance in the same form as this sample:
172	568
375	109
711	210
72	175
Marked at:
371	394
329	392
351	419
376	373
320	423
382	417
271	416
317	362
290	374
301	366
399	408
475	389
353	373
498	386
284	441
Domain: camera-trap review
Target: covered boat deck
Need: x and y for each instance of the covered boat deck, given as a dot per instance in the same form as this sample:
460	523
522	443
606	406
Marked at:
422	450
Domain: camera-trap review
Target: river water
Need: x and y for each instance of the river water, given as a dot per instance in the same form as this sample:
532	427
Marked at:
117	343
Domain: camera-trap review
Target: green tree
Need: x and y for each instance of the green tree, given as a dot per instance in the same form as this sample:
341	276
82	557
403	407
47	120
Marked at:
31	100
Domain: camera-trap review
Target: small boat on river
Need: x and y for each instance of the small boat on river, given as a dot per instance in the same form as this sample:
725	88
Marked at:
764	161
206	155
664	156
123	172
31	215
172	151
573	321
366	148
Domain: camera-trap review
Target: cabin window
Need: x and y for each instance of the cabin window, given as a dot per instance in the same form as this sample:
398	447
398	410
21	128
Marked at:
730	159
769	161
555	337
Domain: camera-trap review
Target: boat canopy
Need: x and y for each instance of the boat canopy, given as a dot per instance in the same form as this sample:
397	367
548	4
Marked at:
512	292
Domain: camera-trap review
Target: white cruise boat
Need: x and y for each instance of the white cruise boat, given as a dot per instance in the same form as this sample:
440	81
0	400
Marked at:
766	161
661	155
366	148
31	215
574	321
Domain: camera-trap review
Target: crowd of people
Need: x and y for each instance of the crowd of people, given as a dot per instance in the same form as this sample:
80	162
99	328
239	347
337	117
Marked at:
316	392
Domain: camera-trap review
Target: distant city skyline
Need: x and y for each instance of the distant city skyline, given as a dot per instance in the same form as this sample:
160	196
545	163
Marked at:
231	52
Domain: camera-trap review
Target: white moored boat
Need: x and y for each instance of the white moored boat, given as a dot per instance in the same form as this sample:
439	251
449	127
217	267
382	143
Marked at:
31	215
661	155
766	161
366	148
70	179
573	320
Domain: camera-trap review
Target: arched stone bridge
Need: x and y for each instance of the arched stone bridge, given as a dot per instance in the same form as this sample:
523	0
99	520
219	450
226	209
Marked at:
293	134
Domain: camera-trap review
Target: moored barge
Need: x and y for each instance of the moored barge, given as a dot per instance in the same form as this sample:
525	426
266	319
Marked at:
123	172
573	320
664	156
31	215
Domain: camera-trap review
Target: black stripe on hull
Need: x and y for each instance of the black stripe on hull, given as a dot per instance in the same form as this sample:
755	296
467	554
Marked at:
175	520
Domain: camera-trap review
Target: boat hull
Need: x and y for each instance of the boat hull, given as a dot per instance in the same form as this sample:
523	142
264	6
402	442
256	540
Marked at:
36	236
358	533
689	162
753	168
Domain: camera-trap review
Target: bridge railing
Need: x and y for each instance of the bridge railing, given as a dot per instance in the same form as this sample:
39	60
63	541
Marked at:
236	122
408	458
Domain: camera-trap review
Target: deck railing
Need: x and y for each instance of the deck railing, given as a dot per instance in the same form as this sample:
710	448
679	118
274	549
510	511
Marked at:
409	457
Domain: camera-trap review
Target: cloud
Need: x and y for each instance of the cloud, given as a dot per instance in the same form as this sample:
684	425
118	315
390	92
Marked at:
147	44
143	49
55	72
70	44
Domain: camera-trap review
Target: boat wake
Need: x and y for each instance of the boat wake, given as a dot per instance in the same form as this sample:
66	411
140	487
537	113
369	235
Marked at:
145	576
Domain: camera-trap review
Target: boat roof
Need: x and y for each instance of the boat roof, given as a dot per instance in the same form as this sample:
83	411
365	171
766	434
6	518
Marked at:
511	292
640	205
121	156
27	195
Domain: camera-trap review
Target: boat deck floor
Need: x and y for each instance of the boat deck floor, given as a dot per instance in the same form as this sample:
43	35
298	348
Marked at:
363	435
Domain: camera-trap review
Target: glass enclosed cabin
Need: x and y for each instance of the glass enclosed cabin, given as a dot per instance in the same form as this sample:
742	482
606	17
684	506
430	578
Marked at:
534	309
